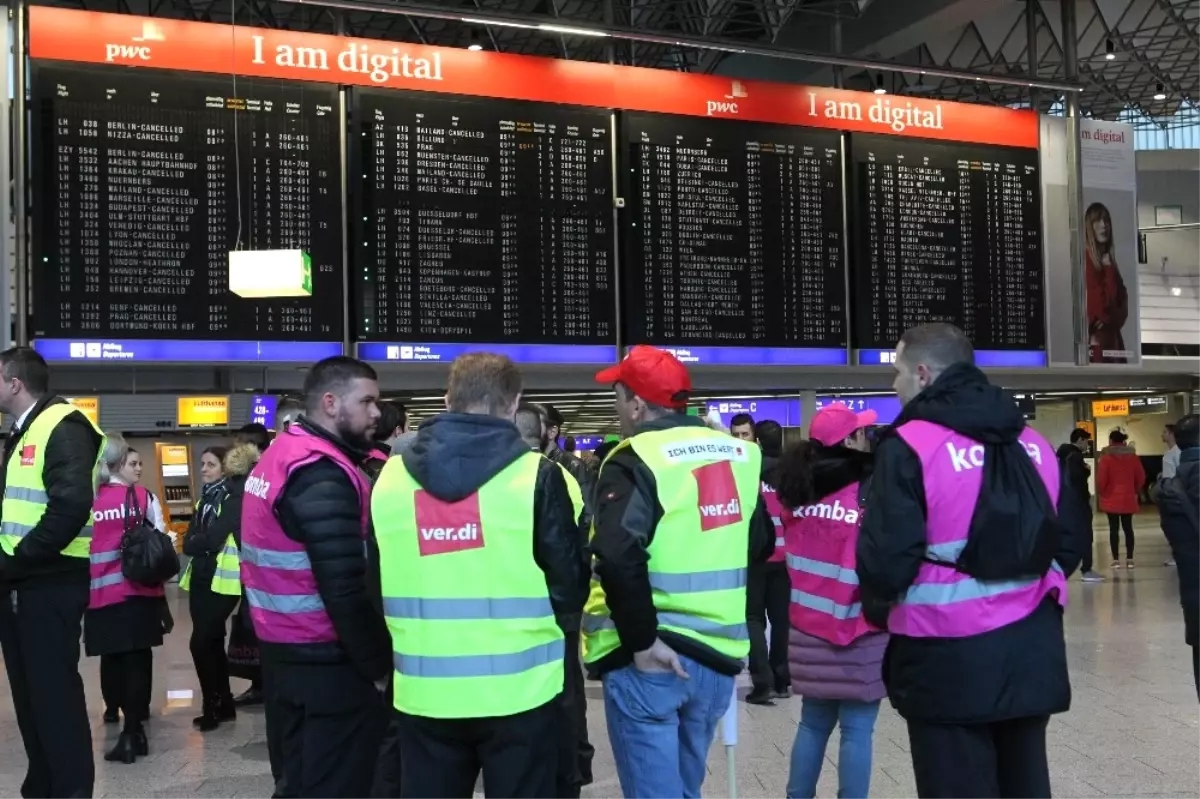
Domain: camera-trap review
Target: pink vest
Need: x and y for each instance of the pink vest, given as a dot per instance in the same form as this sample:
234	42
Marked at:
109	585
820	559
775	508
285	606
943	602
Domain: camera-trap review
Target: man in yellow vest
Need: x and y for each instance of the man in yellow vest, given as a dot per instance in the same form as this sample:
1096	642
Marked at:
50	468
479	559
678	519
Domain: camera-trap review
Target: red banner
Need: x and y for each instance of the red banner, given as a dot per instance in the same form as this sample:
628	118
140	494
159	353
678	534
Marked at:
98	38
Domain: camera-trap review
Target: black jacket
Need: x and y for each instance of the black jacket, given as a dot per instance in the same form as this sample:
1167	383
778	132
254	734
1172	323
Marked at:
456	454
1077	470
627	514
319	508
207	531
1013	672
582	474
70	458
1175	498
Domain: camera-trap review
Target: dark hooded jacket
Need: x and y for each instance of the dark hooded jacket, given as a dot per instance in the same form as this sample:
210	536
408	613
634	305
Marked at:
319	508
456	454
1016	671
582	474
627	515
211	526
1179	506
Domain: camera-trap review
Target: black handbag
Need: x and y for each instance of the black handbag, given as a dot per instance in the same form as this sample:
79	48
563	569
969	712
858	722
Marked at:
148	557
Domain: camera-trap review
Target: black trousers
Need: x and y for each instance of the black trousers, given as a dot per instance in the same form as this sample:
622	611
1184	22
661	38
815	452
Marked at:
110	683
40	628
768	592
210	612
575	751
327	722
1125	520
130	675
1090	550
1004	759
518	755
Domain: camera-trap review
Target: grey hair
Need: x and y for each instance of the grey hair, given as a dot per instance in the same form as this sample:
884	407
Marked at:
113	456
938	346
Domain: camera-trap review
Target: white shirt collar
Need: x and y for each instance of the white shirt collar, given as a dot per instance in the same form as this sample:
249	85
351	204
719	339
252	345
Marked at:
20	425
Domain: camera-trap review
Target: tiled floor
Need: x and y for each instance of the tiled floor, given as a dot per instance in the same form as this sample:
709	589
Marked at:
1134	729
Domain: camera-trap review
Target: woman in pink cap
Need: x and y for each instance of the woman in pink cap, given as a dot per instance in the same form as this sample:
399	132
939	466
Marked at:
835	655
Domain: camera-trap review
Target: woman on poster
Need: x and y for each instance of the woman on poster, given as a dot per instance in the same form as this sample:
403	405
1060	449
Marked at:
1107	299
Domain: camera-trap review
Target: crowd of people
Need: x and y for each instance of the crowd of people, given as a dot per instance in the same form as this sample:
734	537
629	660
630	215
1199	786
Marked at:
426	605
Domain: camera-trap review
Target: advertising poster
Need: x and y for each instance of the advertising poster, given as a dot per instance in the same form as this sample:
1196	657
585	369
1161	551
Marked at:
1109	239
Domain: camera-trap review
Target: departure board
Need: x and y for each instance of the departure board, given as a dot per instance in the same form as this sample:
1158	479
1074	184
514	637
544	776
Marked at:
735	234
145	180
484	221
946	232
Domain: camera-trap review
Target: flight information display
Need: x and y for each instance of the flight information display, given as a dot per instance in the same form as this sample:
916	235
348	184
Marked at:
484	221
946	232
735	234
146	179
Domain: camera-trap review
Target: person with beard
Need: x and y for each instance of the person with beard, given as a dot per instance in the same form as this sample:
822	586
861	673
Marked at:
767	588
835	654
325	649
970	531
481	567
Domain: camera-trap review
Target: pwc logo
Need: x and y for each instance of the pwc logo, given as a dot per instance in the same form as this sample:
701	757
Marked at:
447	526
28	454
717	496
140	49
729	105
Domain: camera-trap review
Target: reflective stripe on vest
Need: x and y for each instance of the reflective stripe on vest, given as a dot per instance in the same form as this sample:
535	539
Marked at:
943	602
227	579
708	487
822	569
286	561
826	605
473	629
25	498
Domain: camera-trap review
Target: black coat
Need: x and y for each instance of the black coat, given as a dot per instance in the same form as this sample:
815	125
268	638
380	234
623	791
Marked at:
1013	672
67	473
1175	498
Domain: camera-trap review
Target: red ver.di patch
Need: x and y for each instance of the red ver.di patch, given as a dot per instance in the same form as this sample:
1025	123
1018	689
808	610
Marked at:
716	495
447	526
28	454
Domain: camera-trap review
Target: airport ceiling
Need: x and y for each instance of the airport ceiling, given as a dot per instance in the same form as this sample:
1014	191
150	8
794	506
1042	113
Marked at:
1154	44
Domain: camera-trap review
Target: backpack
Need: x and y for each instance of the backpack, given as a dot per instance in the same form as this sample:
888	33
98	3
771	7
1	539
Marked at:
1015	532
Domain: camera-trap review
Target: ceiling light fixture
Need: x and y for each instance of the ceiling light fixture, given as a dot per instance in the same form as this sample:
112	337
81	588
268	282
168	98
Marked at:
571	31
1160	93
879	84
475	44
474	21
1110	50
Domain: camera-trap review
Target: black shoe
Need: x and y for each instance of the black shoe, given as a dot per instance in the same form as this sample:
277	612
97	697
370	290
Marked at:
225	709
207	722
252	696
761	696
124	752
111	715
141	745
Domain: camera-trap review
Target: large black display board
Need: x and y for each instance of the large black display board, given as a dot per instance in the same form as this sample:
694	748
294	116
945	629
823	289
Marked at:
734	234
484	221
946	232
145	180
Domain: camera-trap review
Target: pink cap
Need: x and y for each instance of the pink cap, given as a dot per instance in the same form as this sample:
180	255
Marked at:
835	422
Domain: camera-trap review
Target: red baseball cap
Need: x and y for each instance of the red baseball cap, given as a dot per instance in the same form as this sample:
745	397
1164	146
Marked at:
654	375
834	422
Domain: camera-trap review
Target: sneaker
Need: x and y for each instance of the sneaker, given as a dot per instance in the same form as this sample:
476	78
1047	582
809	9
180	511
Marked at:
761	696
1170	562
1093	577
1116	564
1129	564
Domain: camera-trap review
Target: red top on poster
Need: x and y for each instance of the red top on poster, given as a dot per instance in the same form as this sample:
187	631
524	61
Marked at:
98	38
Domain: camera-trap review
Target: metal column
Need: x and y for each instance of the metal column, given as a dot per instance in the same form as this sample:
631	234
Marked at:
839	73
7	263
808	409
20	160
1075	182
1031	48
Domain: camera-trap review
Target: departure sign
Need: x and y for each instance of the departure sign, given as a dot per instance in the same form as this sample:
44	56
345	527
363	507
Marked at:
946	232
147	179
484	221
735	235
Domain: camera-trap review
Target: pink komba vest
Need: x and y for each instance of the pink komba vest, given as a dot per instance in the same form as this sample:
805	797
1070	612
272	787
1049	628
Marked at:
821	538
285	606
108	583
775	508
943	602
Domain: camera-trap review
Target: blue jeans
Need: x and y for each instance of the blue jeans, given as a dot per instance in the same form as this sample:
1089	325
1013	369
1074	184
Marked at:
817	719
661	727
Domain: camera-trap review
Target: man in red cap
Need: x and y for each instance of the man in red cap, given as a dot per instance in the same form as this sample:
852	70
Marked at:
678	518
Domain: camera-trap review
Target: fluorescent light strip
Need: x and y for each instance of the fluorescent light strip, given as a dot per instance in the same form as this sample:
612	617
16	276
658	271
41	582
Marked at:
572	31
474	21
